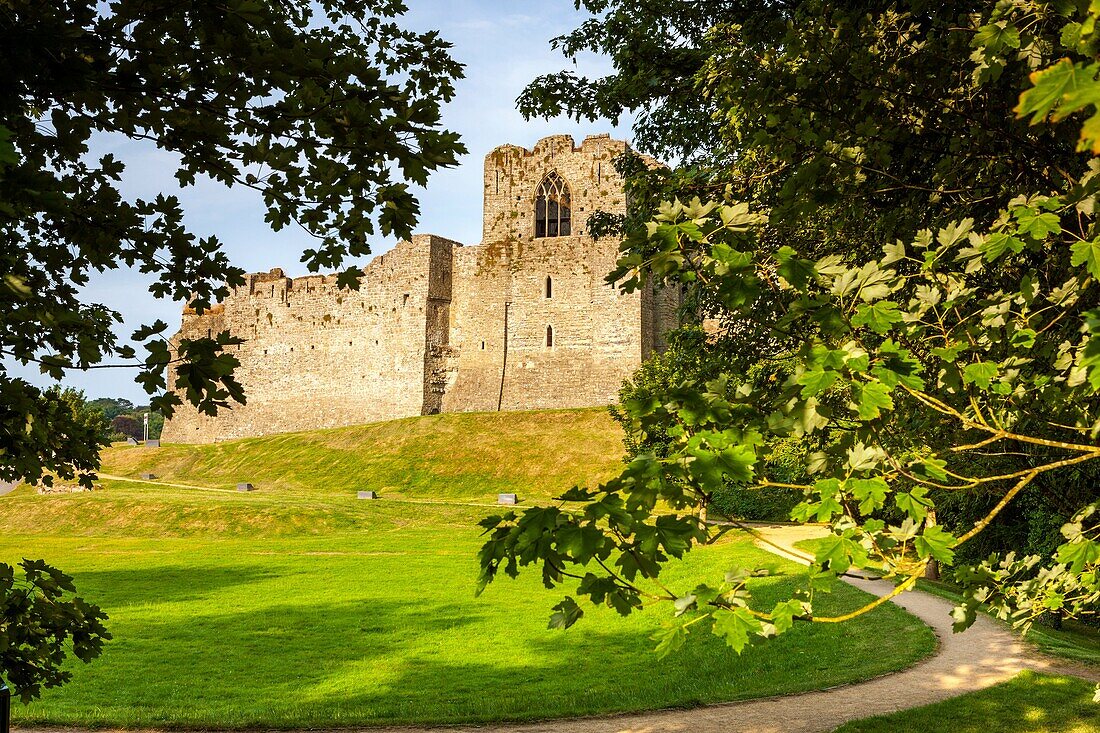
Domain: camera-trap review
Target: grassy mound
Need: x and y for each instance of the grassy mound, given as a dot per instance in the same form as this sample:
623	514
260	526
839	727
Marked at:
463	457
299	606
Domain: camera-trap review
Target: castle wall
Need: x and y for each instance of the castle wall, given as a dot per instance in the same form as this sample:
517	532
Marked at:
317	356
439	327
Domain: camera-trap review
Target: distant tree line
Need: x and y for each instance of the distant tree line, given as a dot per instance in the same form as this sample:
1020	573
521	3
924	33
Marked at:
127	420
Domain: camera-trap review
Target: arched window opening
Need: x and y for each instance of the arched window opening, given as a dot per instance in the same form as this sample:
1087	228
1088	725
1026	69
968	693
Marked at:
552	207
549	287
549	336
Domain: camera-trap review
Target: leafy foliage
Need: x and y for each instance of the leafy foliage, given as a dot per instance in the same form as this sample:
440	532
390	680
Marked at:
919	261
60	434
43	621
328	110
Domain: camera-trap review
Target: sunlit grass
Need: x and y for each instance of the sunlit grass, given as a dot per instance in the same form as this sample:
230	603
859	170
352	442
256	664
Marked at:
1028	703
299	606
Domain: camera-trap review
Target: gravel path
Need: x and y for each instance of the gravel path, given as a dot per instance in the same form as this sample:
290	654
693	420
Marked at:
984	655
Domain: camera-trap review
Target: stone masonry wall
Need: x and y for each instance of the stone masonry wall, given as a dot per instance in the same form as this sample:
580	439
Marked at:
438	327
317	356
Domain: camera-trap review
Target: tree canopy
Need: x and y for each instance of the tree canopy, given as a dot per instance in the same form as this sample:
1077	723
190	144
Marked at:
895	230
328	110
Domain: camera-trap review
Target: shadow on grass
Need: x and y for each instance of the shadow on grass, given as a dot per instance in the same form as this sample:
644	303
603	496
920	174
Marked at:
297	658
166	583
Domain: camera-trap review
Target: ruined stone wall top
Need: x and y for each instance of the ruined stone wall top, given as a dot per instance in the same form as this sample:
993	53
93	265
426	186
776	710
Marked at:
513	175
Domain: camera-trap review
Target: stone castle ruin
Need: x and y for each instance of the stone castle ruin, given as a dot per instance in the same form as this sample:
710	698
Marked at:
523	320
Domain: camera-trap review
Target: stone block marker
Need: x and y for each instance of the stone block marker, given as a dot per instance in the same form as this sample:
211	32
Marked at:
152	444
245	487
131	441
368	494
148	477
506	499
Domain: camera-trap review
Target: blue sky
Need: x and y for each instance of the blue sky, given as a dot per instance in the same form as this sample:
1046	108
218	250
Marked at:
504	44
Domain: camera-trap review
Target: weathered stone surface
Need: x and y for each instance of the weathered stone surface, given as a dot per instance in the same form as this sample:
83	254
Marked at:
368	495
152	444
245	487
131	441
439	327
148	476
507	499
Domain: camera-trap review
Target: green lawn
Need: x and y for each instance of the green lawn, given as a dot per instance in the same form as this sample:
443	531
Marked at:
299	606
1028	703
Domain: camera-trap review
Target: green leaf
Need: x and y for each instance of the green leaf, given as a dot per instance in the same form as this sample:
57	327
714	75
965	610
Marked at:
981	373
795	271
565	614
1078	554
915	503
735	627
996	244
1050	89
580	542
936	543
669	639
996	37
8	155
934	468
837	553
815	382
1023	338
871	399
870	493
1035	224
785	612
879	317
1086	252
950	353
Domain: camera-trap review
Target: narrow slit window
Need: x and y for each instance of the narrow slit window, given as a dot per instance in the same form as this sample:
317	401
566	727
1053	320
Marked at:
549	287
552	208
549	336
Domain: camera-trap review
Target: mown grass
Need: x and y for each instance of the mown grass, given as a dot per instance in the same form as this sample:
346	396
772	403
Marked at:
299	606
464	457
1028	703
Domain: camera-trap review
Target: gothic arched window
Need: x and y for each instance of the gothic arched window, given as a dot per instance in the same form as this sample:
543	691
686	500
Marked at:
549	336
552	212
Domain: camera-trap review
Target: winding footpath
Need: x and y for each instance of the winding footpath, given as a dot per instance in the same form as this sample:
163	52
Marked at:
986	654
